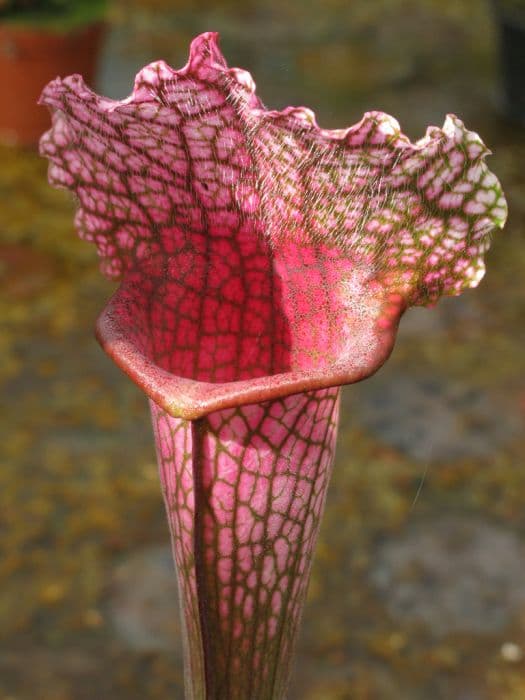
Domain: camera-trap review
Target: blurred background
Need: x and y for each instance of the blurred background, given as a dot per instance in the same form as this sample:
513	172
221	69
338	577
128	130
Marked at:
418	587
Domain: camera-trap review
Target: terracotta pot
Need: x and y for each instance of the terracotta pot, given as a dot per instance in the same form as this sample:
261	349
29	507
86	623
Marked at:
29	58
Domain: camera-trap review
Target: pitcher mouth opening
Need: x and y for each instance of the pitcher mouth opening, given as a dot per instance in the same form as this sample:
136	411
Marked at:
196	341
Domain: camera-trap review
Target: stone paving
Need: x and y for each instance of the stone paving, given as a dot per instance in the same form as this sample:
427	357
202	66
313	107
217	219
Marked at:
452	574
418	588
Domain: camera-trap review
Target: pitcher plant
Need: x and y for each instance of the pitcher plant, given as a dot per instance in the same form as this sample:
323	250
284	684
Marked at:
264	262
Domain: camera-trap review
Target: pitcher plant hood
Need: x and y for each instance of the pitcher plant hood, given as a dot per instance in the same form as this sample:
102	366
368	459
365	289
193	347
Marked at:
261	255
